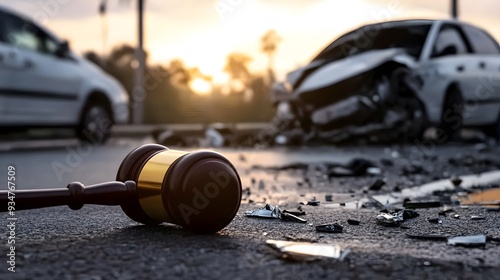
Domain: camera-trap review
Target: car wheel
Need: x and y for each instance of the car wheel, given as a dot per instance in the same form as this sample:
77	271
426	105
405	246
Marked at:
451	116
95	124
417	122
494	130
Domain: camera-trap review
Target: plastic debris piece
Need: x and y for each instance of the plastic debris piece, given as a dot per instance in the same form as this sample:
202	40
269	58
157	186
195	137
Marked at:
378	184
488	197
445	210
424	204
328	197
435	220
292	218
476	217
268	211
353	222
468	241
456	216
299	212
313	202
432	236
305	251
330	228
387	220
456	181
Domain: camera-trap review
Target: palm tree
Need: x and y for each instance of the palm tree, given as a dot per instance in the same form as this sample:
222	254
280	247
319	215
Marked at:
269	43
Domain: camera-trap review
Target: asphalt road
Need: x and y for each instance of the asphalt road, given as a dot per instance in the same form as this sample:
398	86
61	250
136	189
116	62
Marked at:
99	242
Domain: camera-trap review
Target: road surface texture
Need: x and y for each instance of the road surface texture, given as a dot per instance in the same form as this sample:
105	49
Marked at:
99	242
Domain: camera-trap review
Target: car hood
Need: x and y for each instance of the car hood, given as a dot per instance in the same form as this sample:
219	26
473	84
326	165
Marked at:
336	71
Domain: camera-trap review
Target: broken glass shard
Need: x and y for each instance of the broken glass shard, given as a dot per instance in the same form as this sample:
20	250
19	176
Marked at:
305	251
468	241
330	228
387	220
268	211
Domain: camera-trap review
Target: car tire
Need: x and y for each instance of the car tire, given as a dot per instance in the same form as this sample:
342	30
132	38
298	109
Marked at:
95	124
494	130
451	116
418	120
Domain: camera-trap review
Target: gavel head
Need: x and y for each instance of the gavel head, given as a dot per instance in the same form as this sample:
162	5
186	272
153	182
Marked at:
200	191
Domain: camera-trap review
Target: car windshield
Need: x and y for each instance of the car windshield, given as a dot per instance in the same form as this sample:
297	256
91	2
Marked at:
410	38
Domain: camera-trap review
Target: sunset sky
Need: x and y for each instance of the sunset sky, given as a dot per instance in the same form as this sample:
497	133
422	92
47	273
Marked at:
202	33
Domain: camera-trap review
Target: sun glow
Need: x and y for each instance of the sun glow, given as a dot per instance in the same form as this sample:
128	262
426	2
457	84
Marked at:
200	86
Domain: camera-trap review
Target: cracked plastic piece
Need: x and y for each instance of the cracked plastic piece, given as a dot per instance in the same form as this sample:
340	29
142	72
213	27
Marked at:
305	251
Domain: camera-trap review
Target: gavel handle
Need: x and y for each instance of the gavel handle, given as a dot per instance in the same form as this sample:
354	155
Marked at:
75	196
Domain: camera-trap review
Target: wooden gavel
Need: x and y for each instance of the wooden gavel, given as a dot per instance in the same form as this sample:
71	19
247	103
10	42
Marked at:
199	191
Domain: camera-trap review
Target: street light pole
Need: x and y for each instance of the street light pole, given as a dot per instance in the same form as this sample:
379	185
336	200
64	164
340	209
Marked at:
454	9
138	92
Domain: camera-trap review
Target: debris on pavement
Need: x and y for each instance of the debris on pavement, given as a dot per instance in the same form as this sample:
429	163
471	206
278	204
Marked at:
268	211
396	218
305	251
422	204
486	197
468	241
435	220
432	236
313	202
353	222
274	212
330	228
378	184
477	217
456	181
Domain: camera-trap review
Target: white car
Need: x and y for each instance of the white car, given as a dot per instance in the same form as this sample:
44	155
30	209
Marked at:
44	84
398	77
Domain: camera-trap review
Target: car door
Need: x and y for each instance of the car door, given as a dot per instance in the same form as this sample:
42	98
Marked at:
485	88
448	60
41	88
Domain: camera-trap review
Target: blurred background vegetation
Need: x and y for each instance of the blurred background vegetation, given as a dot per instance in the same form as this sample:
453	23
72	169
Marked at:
178	94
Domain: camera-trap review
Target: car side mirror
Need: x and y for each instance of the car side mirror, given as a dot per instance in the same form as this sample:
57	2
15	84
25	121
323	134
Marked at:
62	49
449	50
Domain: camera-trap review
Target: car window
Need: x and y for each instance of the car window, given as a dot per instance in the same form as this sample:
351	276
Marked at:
2	28
449	42
25	35
22	34
411	38
481	42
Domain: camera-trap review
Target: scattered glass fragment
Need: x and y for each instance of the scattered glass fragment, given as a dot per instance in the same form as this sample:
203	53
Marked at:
387	220
330	228
268	211
435	220
424	204
432	236
290	217
476	217
468	241
305	251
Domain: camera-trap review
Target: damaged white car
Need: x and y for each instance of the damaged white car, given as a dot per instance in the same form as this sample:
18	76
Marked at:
394	80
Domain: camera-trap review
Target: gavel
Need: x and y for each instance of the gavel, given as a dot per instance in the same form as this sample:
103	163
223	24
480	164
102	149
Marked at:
199	191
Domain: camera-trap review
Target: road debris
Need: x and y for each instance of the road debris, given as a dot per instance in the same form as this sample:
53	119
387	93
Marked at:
378	184
305	251
330	228
468	241
432	236
395	218
477	217
435	220
422	204
274	212
353	222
